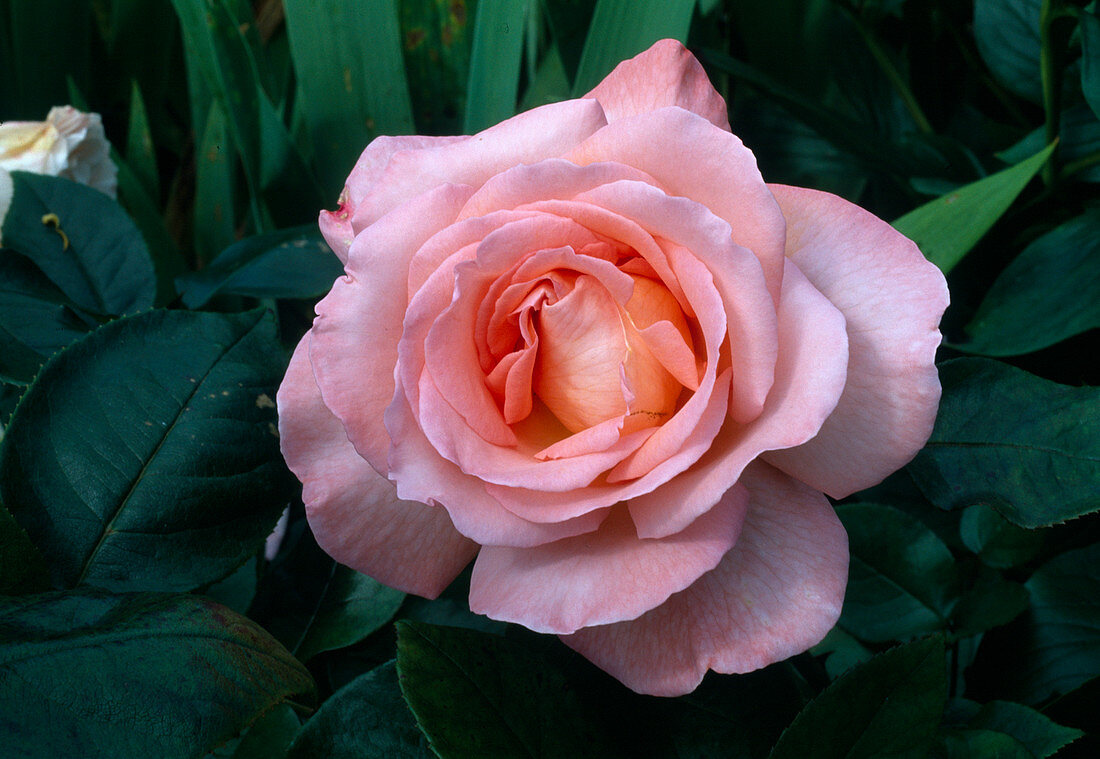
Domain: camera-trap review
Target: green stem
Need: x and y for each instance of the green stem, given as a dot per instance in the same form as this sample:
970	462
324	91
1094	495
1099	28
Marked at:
893	75
1080	164
1052	86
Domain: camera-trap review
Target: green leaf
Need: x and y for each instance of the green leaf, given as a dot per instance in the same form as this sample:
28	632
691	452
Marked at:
1051	291
998	542
140	152
889	706
1059	648
514	703
1090	59
902	579
495	62
367	717
351	78
611	39
142	674
22	569
290	263
145	455
947	228
1078	144
1028	730
36	319
83	241
989	601
269	737
1007	34
1028	447
214	168
436	38
980	744
842	651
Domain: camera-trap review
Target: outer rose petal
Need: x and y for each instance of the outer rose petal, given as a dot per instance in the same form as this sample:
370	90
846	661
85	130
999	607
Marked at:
606	576
775	594
665	74
892	299
354	512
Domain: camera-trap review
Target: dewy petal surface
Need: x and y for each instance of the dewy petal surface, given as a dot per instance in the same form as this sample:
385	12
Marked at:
353	511
665	74
606	576
892	299
774	594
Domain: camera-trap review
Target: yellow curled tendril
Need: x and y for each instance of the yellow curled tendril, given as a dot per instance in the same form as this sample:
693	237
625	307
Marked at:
51	220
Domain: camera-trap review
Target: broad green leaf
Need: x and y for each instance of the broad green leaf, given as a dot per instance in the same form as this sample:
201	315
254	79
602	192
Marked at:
139	674
238	589
514	703
366	718
495	61
145	455
1027	730
36	319
1078	144
902	579
1051	291
351	78
269	737
312	604
842	651
1057	648
1090	59
1028	447
83	241
290	263
989	601
1007	34
889	706
613	38
214	169
967	743
22	569
140	152
998	542
947	228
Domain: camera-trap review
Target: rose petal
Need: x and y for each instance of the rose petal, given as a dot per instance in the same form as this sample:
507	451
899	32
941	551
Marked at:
775	594
690	157
355	335
606	576
666	74
892	299
354	512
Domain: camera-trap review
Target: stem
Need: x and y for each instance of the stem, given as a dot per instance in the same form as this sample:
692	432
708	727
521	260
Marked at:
893	75
1052	86
1080	164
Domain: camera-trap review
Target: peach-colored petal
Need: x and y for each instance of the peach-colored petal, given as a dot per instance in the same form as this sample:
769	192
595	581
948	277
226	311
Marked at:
774	594
690	157
336	225
607	576
892	299
353	511
545	132
665	74
421	474
809	378
355	335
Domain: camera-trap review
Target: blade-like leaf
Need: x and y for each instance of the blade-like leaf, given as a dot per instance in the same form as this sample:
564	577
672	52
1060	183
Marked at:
214	169
1051	291
145	456
140	153
947	228
621	29
495	63
83	241
889	706
1025	446
141	674
1090	59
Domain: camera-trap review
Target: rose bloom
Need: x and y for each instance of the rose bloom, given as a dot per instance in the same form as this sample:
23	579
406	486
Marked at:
591	348
68	144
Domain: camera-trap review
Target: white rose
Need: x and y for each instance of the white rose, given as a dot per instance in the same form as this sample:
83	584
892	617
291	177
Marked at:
69	143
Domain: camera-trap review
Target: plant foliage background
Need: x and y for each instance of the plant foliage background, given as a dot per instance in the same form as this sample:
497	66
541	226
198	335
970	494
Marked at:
140	352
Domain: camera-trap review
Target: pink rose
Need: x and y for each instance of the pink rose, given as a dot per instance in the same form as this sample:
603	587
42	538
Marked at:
591	348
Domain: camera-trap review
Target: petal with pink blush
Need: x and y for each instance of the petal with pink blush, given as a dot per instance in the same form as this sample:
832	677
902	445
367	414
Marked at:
355	335
545	132
690	157
665	74
892	299
606	576
354	512
774	594
336	225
